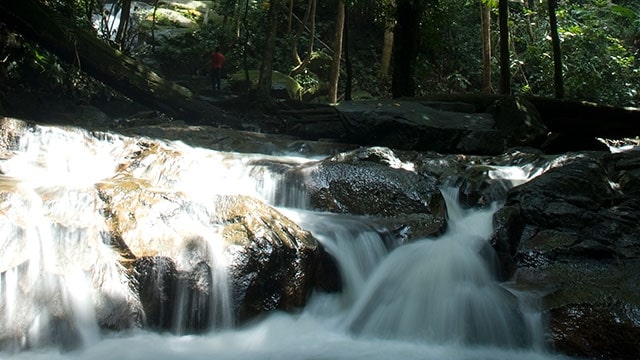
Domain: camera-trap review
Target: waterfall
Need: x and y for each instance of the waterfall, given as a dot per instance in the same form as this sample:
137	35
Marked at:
60	275
49	235
356	246
442	290
64	280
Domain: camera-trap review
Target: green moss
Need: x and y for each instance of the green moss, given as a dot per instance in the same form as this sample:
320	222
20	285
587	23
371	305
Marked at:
278	81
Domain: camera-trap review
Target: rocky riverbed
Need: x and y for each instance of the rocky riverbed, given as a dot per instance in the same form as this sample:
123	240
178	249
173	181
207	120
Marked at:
568	230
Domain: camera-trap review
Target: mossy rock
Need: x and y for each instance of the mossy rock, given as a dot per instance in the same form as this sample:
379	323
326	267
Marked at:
279	83
201	6
167	17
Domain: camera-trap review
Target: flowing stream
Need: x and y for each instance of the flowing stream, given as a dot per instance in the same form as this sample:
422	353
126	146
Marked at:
431	299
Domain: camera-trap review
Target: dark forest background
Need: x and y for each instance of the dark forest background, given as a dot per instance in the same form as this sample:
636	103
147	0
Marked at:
583	50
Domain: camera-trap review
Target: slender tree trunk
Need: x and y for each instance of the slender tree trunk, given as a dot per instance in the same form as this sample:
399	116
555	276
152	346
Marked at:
334	75
531	6
266	68
245	42
227	12
290	23
347	56
89	7
505	71
301	26
312	37
486	47
153	25
312	32
240	17
406	43
121	35
387	47
558	81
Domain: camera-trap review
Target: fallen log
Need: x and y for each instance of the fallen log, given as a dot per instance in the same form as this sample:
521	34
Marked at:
565	117
586	119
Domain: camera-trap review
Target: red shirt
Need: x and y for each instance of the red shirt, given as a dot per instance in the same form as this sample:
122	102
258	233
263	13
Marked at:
217	59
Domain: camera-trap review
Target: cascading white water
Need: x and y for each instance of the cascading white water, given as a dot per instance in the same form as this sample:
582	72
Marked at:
434	299
356	246
57	270
48	241
442	290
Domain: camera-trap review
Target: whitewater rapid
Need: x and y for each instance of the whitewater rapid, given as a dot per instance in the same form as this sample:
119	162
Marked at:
436	298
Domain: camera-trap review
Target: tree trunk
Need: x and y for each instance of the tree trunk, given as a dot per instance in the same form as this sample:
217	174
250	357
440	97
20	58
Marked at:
123	26
228	10
310	15
334	75
76	45
406	43
387	46
290	23
153	25
531	6
505	71
347	57
486	47
266	68
301	26
239	17
245	42
558	82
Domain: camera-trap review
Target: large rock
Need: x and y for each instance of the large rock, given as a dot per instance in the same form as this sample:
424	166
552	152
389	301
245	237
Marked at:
368	181
373	182
481	180
282	85
270	261
415	125
572	235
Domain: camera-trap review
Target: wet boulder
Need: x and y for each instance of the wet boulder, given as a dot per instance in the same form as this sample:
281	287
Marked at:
248	257
272	260
373	182
156	280
368	181
481	180
572	235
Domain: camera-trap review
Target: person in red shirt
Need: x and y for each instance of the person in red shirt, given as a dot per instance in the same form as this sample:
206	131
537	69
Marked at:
217	62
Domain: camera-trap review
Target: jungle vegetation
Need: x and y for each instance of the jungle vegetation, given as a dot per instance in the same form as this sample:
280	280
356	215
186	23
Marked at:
338	50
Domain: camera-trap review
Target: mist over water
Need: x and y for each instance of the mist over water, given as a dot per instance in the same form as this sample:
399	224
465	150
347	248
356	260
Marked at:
431	299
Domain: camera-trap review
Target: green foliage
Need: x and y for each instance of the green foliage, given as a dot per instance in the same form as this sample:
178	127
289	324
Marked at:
186	54
599	57
30	68
491	3
79	10
600	42
309	83
450	59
